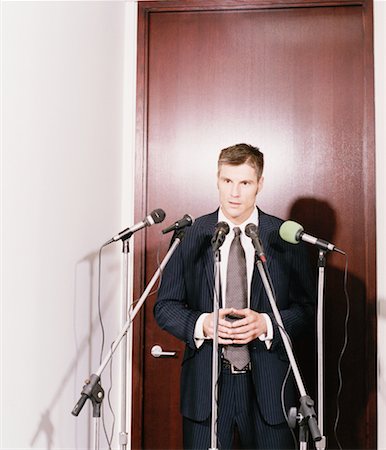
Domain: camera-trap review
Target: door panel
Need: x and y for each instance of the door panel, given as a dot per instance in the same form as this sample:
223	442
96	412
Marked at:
296	82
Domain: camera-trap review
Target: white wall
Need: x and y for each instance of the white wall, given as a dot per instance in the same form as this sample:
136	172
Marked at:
66	139
65	84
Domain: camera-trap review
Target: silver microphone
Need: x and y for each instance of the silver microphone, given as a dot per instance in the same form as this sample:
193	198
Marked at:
156	216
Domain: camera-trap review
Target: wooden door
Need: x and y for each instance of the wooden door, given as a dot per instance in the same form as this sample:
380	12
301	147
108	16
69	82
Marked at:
296	82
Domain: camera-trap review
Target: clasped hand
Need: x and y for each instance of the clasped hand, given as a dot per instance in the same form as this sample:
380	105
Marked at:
250	326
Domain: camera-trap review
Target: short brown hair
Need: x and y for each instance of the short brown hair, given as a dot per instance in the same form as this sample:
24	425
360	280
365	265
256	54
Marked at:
242	153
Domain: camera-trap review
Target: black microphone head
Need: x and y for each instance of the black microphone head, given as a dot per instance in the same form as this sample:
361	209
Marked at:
221	227
251	230
187	220
158	215
220	231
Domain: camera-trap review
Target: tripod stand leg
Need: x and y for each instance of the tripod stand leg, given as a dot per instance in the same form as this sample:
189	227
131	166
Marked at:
303	436
96	432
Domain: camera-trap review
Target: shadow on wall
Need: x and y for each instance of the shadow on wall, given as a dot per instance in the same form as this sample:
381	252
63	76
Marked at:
319	219
84	354
45	428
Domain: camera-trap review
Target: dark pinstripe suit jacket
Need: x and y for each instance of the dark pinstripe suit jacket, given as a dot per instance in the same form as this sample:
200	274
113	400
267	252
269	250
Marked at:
186	292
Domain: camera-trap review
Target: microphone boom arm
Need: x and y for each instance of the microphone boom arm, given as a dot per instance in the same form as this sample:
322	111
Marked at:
306	409
94	378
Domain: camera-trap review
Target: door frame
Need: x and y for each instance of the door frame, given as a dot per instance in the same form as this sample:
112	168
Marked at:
145	9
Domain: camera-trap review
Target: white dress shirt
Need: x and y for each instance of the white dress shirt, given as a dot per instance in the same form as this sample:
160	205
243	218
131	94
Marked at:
250	261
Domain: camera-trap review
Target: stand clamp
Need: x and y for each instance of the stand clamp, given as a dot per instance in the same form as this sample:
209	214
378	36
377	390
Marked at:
91	390
306	417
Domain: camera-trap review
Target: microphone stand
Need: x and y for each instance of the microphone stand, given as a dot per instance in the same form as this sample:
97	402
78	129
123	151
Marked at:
126	342
307	416
92	389
215	366
320	333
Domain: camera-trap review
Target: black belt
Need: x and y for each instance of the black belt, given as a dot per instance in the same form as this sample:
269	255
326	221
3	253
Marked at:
227	365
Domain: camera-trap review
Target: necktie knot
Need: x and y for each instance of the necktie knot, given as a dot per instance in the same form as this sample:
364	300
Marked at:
237	231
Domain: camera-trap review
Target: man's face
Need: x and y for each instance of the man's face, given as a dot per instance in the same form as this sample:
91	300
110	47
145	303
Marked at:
238	187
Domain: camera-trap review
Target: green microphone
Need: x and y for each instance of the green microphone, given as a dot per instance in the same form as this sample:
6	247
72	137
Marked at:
290	231
293	233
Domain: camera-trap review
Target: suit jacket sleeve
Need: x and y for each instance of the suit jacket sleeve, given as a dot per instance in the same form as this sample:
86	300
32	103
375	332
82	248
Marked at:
181	299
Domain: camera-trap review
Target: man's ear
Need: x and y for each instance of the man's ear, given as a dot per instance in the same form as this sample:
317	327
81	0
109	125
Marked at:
260	184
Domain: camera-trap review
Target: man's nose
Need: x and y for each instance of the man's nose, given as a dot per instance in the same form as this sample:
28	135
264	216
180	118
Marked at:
235	190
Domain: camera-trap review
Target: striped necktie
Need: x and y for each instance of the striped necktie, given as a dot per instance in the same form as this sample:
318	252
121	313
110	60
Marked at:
236	296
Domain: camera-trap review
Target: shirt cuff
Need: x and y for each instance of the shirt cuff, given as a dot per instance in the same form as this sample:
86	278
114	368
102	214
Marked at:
267	337
199	336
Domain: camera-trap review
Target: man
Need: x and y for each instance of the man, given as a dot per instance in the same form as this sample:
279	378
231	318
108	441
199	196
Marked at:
251	353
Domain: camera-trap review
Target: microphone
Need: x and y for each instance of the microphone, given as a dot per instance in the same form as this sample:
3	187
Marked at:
252	232
293	233
186	221
221	230
156	216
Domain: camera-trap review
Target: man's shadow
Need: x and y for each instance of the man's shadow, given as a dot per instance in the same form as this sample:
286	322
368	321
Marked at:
319	219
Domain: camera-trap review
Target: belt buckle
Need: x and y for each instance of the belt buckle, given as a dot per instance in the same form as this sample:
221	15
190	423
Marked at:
236	371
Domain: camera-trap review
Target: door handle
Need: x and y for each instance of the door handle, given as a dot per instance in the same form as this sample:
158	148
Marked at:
157	352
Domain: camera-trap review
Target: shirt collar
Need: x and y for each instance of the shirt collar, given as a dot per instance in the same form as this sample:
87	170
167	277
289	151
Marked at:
253	218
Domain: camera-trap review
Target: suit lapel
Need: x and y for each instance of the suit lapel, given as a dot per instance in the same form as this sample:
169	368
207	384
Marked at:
208	260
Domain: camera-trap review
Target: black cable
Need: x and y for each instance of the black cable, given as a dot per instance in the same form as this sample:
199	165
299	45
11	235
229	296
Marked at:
99	303
339	368
110	440
154	291
283	404
102	347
